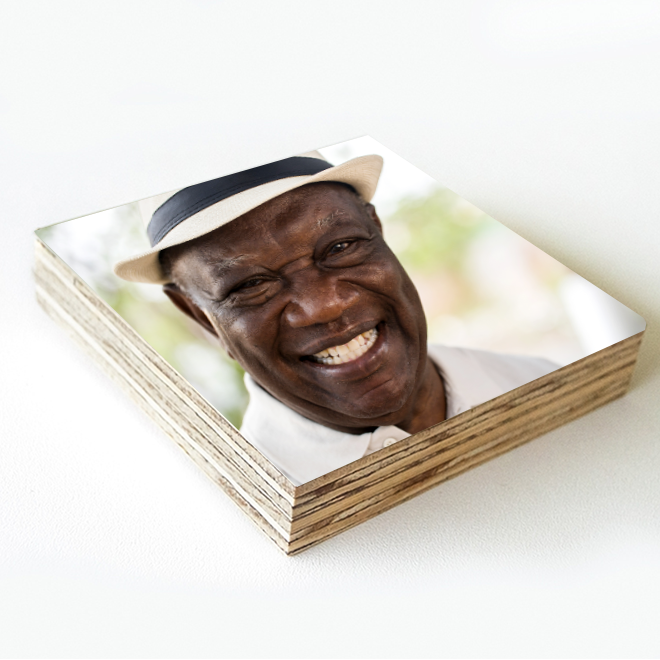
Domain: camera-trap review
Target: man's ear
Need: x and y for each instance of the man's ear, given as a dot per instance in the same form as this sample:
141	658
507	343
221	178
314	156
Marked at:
188	307
371	211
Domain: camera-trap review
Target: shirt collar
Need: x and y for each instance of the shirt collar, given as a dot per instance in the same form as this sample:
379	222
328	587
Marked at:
300	448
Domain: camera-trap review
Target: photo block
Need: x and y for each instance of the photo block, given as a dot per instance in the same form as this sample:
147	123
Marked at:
332	333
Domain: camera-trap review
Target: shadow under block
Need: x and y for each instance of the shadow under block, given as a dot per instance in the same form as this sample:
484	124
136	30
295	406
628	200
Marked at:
297	518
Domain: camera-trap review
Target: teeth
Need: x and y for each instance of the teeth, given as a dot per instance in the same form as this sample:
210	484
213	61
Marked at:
349	351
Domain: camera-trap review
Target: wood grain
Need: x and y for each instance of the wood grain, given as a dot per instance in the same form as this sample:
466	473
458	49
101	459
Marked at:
296	518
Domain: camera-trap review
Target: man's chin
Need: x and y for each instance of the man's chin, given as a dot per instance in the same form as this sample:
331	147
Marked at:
384	405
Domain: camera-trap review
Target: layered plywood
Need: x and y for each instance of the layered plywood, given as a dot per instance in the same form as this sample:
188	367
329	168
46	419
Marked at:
298	517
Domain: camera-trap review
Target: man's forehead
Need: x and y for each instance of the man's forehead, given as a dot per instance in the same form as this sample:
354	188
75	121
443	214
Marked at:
263	231
318	200
265	227
249	248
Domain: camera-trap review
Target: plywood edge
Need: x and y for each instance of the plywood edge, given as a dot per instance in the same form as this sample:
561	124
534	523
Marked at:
436	474
365	501
427	474
273	521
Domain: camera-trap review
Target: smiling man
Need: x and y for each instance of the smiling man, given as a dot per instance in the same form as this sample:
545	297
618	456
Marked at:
287	265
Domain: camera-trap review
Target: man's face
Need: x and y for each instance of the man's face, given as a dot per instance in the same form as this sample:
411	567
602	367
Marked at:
304	292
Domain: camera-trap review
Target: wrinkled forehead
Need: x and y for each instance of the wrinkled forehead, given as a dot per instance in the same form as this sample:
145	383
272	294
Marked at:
308	203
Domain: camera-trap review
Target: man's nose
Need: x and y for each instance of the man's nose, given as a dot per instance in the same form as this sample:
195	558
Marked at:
322	299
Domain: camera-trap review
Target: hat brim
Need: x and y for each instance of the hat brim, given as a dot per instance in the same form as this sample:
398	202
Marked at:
361	173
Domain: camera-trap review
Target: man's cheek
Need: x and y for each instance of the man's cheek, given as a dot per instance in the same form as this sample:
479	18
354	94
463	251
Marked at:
382	278
248	338
229	333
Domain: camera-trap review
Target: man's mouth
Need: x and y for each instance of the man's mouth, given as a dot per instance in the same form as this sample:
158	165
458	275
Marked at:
349	351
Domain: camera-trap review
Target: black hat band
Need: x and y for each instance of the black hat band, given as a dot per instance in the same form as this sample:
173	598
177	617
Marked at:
194	199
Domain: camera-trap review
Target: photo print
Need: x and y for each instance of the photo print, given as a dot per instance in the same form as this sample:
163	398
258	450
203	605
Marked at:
336	303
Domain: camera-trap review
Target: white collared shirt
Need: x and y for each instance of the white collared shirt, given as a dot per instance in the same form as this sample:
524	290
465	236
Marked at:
303	450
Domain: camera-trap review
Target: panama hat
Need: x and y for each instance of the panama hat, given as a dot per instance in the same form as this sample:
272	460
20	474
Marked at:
183	215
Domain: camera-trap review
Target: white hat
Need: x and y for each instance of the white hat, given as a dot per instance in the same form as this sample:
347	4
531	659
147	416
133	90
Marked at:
182	215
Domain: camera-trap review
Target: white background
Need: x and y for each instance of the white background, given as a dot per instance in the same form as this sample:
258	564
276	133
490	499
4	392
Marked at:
546	115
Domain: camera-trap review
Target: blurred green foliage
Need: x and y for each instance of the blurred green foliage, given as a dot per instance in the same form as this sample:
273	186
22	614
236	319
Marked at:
91	246
438	230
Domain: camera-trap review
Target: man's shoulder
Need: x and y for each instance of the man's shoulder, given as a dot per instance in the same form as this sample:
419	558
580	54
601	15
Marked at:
491	360
474	370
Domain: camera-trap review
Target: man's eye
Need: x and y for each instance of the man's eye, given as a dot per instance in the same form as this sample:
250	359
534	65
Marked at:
249	284
339	247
